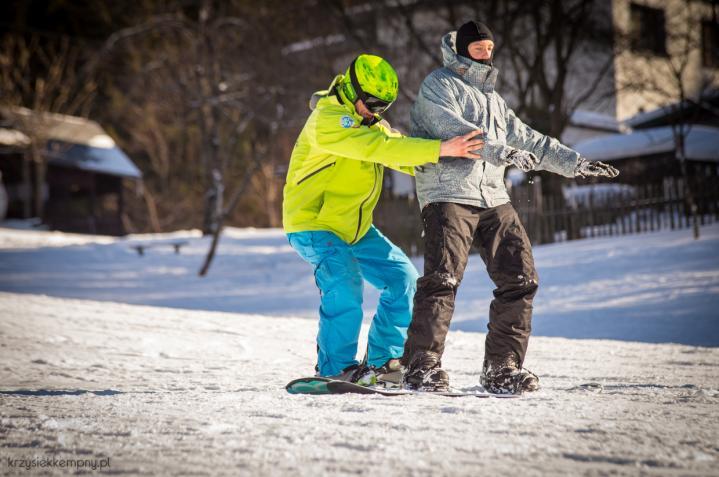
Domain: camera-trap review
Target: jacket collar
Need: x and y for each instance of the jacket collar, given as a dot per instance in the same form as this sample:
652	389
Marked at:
476	74
330	96
331	91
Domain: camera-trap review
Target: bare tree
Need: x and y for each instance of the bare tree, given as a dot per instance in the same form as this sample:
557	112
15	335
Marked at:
200	100
546	45
541	46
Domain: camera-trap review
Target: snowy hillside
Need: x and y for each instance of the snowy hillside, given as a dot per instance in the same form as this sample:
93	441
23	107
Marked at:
194	383
658	287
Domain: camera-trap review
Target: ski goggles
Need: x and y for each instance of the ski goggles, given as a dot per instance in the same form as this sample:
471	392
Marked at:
375	105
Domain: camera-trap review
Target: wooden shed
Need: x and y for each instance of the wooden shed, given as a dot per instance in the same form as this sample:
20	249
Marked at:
82	187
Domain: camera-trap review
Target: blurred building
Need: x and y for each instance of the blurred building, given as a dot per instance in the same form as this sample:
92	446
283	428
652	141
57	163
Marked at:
663	52
65	169
646	151
666	72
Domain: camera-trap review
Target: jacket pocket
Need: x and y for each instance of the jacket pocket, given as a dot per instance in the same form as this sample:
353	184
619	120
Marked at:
326	166
459	175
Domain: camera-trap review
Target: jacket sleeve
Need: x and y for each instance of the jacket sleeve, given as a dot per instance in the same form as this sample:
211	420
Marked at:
553	155
440	114
328	133
392	132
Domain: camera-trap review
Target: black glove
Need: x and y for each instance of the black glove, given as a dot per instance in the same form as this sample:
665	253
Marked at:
586	168
524	160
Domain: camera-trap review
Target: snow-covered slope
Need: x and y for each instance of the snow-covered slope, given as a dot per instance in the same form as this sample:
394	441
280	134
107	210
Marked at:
657	287
168	391
194	383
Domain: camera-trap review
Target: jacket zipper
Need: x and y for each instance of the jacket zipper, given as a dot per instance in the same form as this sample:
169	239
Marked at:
484	163
315	172
359	221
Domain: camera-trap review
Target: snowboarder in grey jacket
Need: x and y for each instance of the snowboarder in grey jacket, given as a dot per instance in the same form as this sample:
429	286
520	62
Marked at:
466	201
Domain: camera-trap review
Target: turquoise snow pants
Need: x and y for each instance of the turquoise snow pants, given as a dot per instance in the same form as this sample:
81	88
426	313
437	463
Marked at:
339	272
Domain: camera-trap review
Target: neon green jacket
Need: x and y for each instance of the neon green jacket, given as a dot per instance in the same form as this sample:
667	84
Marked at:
335	175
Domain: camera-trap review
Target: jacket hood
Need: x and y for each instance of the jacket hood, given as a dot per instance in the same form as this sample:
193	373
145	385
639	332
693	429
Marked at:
481	76
317	95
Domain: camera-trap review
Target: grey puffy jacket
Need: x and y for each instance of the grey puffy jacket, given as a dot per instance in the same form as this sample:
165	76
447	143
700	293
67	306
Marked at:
458	98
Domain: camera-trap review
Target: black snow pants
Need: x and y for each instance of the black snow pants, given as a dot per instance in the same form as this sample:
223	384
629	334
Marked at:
450	229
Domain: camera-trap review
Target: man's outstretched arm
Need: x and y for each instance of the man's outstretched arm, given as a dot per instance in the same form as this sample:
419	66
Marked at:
550	154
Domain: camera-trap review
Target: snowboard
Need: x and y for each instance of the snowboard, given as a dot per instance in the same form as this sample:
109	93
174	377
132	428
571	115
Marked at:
319	385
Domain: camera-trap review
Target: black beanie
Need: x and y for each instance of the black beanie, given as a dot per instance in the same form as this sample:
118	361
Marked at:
469	32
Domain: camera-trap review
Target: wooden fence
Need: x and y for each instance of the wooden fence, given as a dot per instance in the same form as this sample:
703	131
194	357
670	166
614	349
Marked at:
583	212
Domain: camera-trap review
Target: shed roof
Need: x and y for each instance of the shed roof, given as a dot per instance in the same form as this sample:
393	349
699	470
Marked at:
594	120
701	144
101	160
71	141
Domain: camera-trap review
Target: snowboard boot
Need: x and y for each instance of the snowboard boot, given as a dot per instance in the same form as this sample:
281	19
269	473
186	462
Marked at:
507	377
351	373
366	376
389	374
425	373
354	373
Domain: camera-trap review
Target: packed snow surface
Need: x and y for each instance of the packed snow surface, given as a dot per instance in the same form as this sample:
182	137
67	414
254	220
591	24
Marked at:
108	354
169	391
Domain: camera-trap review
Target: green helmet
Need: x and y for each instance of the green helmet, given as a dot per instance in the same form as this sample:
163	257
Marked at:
371	79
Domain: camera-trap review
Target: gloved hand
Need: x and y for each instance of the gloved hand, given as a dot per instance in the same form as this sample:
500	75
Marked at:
586	168
524	160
